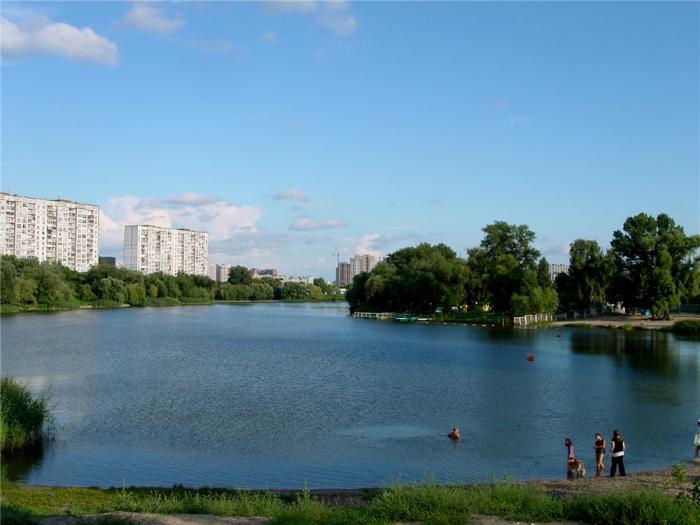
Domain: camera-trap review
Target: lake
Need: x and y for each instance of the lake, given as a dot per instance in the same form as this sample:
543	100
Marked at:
293	395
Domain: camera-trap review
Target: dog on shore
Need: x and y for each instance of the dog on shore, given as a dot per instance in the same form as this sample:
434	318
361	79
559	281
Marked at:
575	468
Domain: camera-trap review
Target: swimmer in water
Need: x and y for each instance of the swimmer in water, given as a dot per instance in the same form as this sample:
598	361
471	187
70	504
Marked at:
454	434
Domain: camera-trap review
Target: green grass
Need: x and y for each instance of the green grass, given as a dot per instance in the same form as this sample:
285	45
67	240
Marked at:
430	503
25	420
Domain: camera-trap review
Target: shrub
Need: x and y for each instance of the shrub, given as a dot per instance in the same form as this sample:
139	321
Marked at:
25	419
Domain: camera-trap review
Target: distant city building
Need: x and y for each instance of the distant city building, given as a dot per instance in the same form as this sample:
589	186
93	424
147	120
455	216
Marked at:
218	272
59	231
362	263
110	261
263	272
150	249
221	273
556	269
342	274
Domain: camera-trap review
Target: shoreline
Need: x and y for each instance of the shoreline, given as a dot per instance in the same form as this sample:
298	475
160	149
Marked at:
661	496
589	484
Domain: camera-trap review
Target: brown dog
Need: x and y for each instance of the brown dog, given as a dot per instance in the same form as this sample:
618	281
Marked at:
575	466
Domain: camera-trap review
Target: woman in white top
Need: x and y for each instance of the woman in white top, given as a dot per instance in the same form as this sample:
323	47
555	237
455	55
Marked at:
617	452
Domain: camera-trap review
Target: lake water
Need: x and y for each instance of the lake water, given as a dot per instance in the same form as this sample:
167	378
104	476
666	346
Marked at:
288	395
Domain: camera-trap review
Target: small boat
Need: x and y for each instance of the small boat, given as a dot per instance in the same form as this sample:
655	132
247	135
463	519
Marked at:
405	319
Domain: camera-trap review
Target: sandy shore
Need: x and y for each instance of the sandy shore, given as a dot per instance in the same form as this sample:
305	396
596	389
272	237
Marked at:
618	321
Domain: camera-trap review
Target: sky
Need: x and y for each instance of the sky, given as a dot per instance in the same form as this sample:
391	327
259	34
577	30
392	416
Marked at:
293	131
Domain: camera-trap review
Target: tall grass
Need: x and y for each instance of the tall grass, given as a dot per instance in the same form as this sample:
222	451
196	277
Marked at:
25	420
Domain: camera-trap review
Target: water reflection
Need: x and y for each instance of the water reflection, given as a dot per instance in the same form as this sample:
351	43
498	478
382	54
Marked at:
640	350
19	465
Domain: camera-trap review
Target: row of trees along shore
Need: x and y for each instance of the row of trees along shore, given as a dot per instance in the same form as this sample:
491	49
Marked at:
651	264
26	284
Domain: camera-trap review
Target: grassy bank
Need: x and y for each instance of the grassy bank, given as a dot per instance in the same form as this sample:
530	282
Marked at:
430	504
25	419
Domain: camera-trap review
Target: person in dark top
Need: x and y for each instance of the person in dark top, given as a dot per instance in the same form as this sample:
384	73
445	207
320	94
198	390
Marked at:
617	451
599	447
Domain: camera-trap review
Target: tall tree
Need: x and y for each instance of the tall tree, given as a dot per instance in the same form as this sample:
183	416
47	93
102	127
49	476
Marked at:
656	264
586	283
503	261
239	275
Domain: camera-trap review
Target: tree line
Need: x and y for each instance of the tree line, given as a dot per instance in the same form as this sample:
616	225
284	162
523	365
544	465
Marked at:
651	264
29	284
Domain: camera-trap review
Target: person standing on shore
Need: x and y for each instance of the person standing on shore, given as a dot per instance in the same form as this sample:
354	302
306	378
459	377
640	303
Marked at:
697	440
599	447
617	451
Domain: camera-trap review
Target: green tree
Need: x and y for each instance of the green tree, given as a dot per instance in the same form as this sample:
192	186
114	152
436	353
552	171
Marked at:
111	289
587	281
136	294
26	291
503	263
239	275
8	281
86	293
543	278
655	263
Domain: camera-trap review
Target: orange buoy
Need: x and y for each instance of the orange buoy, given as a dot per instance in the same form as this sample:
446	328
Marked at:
530	357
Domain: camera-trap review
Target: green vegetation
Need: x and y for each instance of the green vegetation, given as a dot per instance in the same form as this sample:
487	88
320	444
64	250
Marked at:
687	327
431	504
25	420
27	285
651	264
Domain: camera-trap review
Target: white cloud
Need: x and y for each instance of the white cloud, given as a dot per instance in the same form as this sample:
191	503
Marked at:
368	245
306	224
146	17
293	194
220	218
270	37
519	121
56	38
331	15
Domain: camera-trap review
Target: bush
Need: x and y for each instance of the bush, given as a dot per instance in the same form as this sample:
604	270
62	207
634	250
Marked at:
25	419
687	327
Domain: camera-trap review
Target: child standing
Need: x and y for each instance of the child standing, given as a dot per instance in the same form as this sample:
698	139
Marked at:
599	447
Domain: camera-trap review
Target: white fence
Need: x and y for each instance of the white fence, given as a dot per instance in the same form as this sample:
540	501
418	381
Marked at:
534	318
374	315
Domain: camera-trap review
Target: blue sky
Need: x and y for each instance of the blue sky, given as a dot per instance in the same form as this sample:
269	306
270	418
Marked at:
294	130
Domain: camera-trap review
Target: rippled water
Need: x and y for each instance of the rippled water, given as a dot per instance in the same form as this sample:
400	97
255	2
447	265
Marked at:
283	395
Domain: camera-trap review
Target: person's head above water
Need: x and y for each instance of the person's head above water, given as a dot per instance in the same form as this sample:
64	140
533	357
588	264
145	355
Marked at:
568	442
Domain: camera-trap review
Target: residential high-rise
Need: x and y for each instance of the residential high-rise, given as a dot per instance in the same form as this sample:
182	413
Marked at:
59	231
150	249
555	269
362	263
263	272
221	273
342	274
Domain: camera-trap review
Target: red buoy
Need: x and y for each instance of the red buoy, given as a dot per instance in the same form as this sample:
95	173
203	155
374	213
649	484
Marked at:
530	357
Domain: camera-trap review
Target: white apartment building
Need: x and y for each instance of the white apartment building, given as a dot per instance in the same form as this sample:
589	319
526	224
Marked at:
150	249
59	231
362	263
556	269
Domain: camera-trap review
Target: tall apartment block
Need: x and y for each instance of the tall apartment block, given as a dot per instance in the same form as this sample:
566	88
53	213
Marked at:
556	269
362	263
342	274
150	249
59	231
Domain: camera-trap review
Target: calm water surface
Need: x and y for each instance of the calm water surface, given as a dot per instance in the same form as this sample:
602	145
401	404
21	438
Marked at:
280	395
